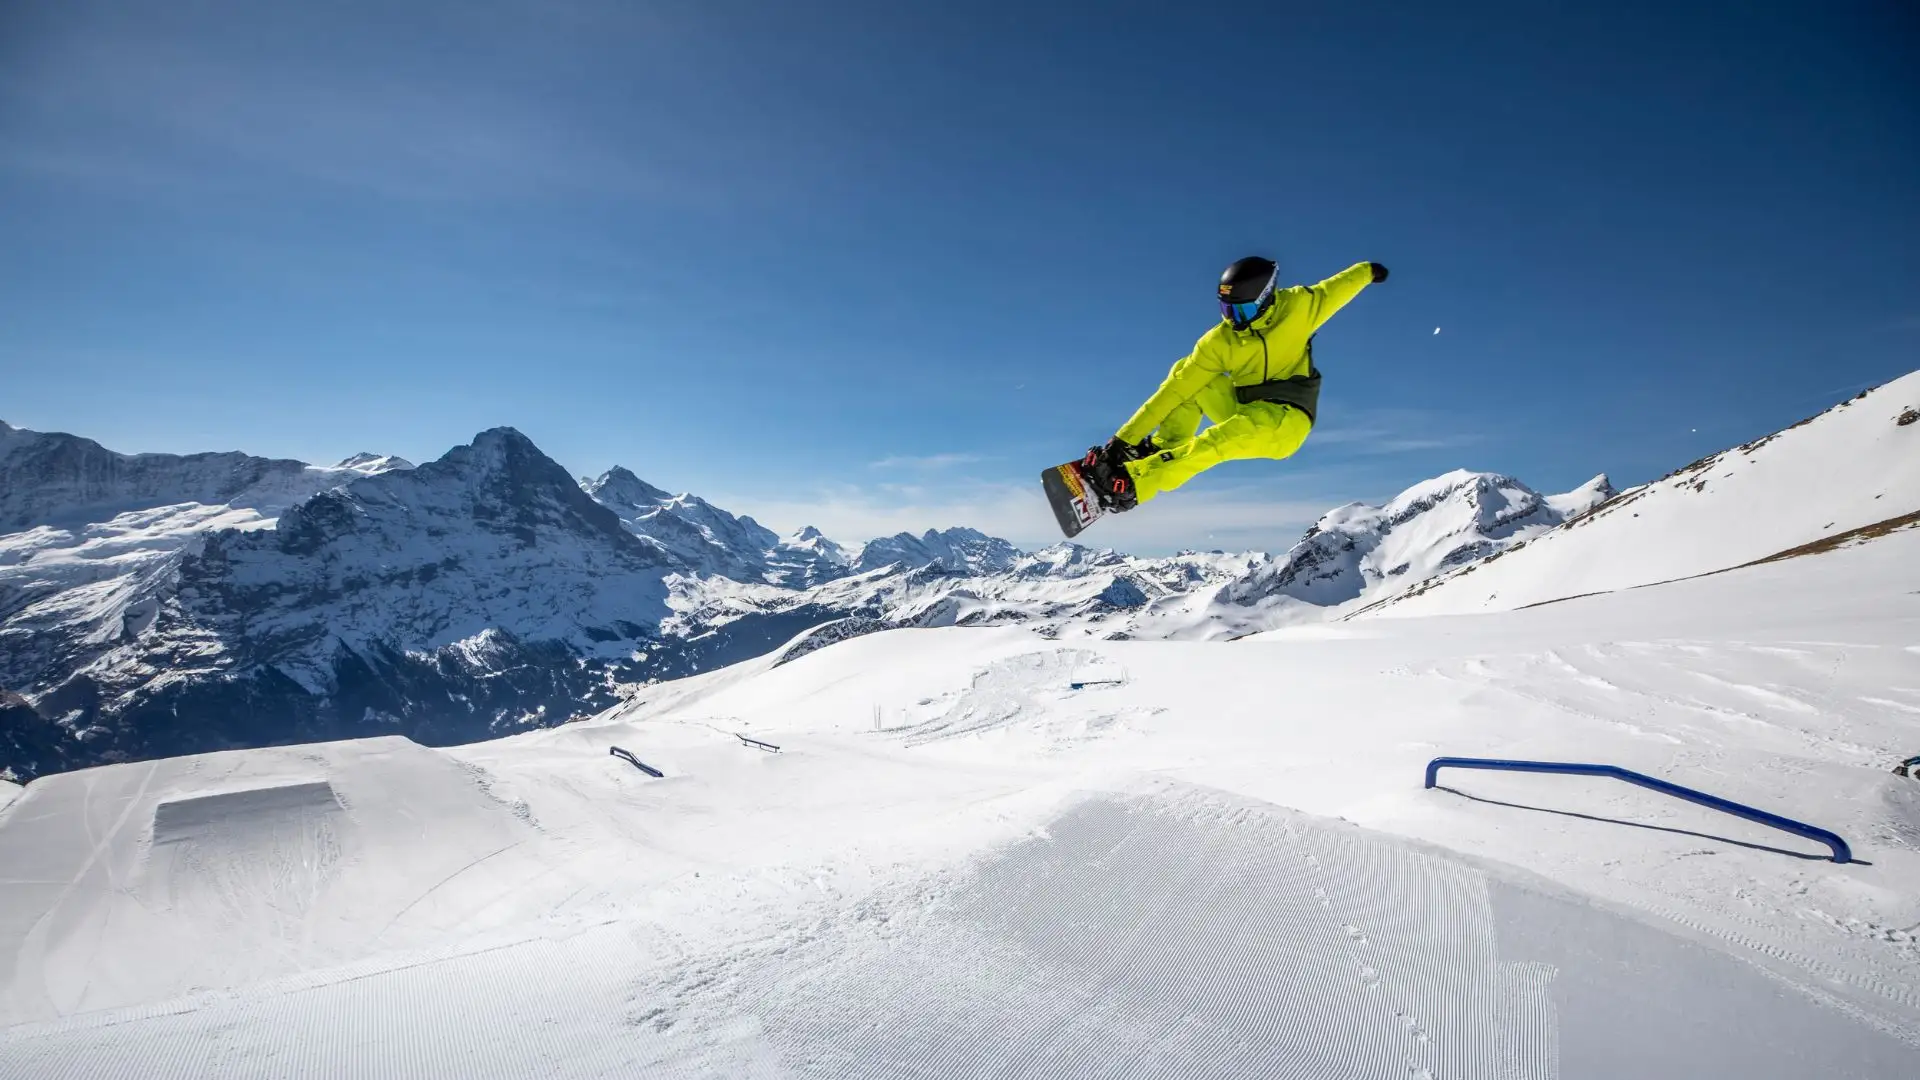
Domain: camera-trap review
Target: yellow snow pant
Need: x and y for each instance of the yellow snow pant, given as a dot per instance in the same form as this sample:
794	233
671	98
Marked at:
1257	430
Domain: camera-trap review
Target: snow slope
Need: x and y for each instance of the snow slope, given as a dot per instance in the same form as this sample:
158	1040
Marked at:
1854	466
980	851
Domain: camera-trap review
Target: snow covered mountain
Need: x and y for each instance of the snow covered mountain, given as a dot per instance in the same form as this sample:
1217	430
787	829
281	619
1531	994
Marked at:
708	540
478	592
1363	553
955	549
374	464
1848	474
48	479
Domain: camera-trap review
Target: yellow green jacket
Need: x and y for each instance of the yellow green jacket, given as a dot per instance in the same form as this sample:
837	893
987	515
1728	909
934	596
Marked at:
1274	347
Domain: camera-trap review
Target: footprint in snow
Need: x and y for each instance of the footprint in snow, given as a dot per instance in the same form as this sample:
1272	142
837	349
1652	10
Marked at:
1413	1027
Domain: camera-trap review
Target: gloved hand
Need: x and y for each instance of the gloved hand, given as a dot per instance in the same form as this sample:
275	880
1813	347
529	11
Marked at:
1379	272
1117	450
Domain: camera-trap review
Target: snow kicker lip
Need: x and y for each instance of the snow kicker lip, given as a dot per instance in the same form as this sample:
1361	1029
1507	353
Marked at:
182	818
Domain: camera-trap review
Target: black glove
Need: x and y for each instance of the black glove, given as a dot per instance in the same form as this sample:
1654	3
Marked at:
1379	272
1118	450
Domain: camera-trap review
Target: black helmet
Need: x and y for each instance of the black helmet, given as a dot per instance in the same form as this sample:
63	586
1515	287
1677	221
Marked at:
1246	290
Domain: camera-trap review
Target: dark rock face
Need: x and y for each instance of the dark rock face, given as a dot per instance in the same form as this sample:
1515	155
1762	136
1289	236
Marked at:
30	744
55	478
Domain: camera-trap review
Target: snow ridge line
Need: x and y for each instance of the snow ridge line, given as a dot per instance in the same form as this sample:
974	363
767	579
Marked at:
1861	535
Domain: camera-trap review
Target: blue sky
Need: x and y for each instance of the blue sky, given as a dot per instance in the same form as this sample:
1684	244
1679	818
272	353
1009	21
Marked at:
872	267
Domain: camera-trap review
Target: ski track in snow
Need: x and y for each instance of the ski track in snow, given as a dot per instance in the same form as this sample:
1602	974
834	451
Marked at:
1030	687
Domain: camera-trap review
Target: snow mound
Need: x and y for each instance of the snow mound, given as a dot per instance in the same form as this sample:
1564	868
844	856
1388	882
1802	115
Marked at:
1854	467
227	868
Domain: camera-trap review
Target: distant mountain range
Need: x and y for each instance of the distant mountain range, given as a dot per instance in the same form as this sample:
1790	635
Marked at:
155	604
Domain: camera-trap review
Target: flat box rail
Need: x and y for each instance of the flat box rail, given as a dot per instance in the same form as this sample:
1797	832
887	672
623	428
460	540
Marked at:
1841	852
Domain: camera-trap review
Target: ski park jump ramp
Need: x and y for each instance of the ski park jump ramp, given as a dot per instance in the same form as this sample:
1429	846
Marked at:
1161	930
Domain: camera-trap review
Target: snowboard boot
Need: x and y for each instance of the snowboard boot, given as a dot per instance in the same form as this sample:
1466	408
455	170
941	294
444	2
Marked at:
1106	472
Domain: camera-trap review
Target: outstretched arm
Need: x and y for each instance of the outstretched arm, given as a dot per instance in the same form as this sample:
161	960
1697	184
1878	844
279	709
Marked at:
1188	377
1333	294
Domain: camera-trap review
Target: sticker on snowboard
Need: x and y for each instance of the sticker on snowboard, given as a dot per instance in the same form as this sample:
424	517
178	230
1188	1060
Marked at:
1074	504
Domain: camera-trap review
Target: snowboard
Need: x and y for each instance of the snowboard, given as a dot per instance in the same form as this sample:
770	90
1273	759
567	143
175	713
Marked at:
1075	506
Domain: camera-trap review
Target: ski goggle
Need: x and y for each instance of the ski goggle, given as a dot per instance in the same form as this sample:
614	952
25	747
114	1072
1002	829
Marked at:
1242	315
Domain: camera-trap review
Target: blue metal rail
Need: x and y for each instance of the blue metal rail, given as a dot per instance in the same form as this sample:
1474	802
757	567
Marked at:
1841	853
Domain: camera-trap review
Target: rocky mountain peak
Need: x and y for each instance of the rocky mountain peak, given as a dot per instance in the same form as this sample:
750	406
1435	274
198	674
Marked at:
619	487
501	482
1584	498
1435	525
957	549
373	464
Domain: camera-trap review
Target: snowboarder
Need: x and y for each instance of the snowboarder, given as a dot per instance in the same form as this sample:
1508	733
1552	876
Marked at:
1252	375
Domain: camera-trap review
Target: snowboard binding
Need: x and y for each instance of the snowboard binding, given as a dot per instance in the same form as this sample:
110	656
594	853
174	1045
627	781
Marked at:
1081	491
1106	468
